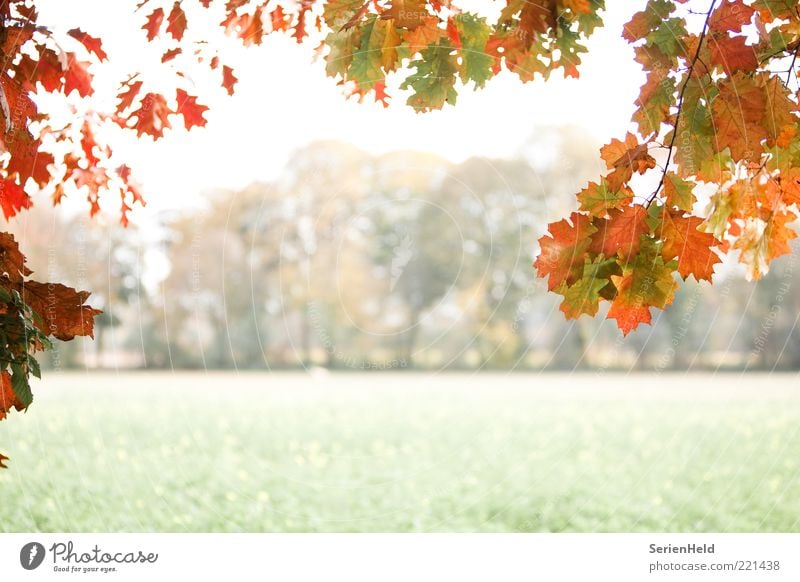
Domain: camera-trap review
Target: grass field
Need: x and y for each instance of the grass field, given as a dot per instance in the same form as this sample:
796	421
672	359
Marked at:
404	452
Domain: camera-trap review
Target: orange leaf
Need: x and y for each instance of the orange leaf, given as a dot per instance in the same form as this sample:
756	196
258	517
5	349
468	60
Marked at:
732	53
693	249
737	112
62	310
228	79
625	158
127	96
153	24
12	261
562	253
8	400
152	116
176	22
620	233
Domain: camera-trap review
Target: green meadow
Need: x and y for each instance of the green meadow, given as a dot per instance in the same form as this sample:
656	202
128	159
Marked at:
290	452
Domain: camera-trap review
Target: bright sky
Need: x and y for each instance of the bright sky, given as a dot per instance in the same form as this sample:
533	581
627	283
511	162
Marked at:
284	101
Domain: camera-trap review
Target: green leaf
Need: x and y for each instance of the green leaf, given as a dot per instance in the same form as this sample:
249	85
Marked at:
597	199
434	82
365	68
19	383
341	44
33	366
476	64
669	36
678	192
583	296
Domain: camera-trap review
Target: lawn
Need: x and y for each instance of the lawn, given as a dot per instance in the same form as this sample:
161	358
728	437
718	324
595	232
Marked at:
404	452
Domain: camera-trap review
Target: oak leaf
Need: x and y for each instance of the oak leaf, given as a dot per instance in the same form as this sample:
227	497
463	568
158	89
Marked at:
62	310
620	234
563	251
684	241
645	283
12	198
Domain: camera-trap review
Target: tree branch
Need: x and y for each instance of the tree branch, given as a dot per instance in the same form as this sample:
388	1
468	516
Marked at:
695	60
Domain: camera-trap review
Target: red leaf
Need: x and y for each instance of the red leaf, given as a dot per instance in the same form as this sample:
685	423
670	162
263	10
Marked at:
731	53
152	116
29	162
127	96
92	44
176	22
153	24
8	400
170	54
77	78
191	110
13	198
228	79
731	16
452	33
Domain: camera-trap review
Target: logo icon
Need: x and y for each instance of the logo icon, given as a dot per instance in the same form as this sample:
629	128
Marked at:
31	555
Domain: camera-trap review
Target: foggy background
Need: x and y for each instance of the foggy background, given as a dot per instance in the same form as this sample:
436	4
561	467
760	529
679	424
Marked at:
401	260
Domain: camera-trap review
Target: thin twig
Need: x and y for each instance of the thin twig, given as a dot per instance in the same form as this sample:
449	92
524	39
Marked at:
791	66
695	59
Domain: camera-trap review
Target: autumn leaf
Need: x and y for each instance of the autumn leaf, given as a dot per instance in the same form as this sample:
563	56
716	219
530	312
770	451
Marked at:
732	54
620	234
128	94
761	241
92	44
8	399
152	115
433	83
738	111
426	34
171	54
12	198
730	16
229	80
645	21
176	22
679	192
62	310
693	249
584	295
598	199
191	110
476	64
564	250
625	158
645	283
153	24
77	78
408	14
12	261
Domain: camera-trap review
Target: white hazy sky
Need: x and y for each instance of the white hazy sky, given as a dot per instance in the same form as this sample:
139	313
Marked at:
284	101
